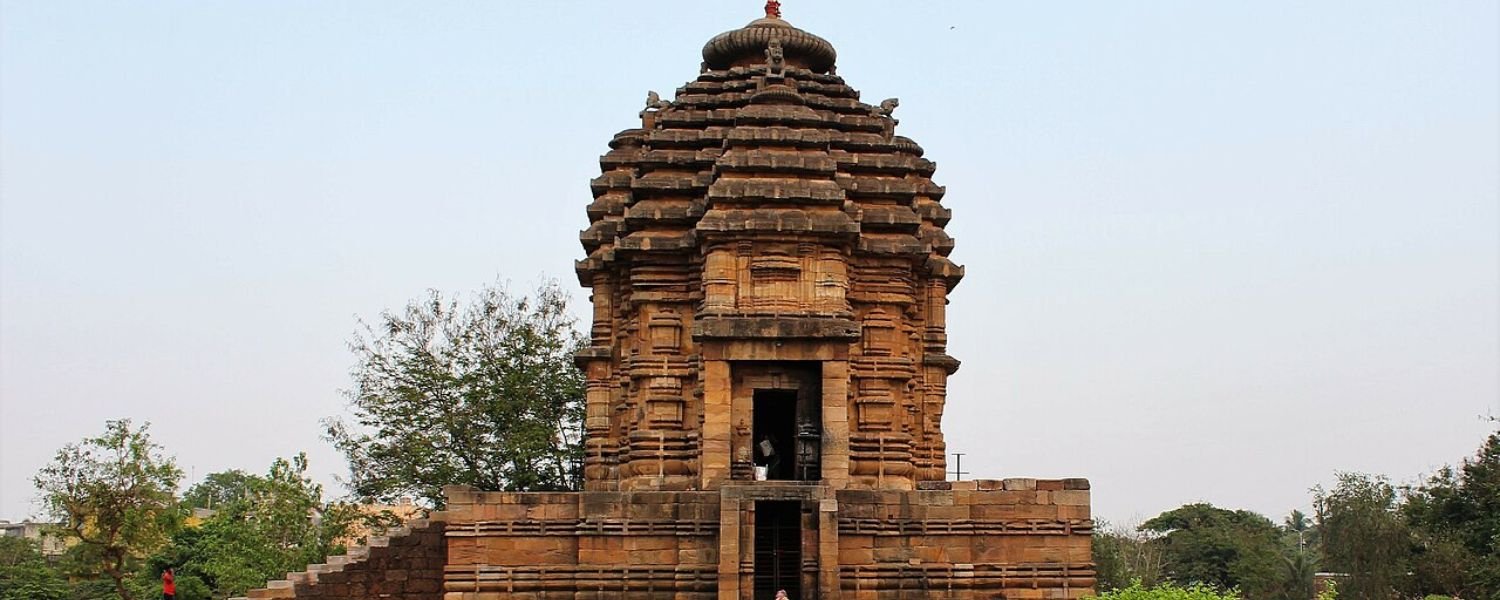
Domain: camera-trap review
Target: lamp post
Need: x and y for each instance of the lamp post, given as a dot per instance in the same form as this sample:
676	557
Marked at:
808	441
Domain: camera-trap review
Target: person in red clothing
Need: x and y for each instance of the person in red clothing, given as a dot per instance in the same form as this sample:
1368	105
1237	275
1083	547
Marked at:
168	585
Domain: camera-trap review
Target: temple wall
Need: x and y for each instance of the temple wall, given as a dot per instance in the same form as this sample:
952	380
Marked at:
626	545
1016	538
651	400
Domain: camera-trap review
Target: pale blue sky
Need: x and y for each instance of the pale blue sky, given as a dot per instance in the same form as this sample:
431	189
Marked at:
1216	250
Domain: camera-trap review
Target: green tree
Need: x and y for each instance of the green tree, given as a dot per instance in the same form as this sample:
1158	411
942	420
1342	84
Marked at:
1301	530
218	489
273	524
114	495
1110	572
25	574
1226	549
1298	569
483	394
1299	560
1364	535
1455	521
1125	555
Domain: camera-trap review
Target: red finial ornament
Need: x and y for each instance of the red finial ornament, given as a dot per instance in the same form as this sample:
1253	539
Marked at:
773	9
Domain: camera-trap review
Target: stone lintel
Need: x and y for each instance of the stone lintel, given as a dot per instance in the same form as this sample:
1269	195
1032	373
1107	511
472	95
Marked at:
775	349
751	491
775	327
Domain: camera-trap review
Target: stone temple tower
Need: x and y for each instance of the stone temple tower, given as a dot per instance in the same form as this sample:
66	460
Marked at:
768	264
766	379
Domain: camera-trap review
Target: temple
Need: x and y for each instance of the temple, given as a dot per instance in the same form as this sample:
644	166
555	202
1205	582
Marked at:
769	273
766	377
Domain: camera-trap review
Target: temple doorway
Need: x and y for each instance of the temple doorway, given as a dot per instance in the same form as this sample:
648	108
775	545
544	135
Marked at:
778	432
778	548
775	432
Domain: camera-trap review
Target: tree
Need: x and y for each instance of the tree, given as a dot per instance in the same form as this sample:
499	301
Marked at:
24	573
1110	571
1455	521
218	489
483	394
1222	548
1364	535
1299	569
114	494
1299	560
265	527
1125	555
1301	530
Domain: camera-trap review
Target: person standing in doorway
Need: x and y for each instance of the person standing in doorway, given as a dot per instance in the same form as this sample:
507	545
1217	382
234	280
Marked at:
770	452
168	585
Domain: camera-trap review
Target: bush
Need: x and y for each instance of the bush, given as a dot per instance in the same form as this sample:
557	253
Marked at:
1167	591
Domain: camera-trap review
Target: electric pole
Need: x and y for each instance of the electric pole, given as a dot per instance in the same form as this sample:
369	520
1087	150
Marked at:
958	471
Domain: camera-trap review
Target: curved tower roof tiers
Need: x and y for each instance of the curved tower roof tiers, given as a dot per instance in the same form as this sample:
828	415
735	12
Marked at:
769	273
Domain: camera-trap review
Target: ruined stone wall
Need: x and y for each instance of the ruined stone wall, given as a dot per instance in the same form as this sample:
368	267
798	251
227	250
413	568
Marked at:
405	565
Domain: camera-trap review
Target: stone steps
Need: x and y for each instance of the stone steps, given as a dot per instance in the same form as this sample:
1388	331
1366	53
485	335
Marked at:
352	558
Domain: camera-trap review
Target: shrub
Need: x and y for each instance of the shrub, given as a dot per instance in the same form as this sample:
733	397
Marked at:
1168	591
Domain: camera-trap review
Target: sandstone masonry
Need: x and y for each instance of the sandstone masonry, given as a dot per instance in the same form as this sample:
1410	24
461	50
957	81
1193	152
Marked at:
766	376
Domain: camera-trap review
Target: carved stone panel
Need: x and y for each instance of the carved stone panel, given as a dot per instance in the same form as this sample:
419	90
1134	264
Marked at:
665	332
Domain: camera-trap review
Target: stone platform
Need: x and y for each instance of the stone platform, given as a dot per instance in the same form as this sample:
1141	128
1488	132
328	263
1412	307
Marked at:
1012	538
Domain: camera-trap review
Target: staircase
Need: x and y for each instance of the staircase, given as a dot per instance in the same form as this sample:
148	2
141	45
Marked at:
405	564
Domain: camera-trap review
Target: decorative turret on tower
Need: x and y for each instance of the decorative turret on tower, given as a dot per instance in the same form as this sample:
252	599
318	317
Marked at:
769	274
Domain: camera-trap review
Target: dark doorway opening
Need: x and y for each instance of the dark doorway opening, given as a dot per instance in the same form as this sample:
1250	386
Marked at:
778	548
774	432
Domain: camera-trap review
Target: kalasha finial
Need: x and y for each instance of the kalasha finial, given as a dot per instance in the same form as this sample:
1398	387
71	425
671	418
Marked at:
773	9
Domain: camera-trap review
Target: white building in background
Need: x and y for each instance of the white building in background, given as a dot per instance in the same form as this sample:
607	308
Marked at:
51	544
